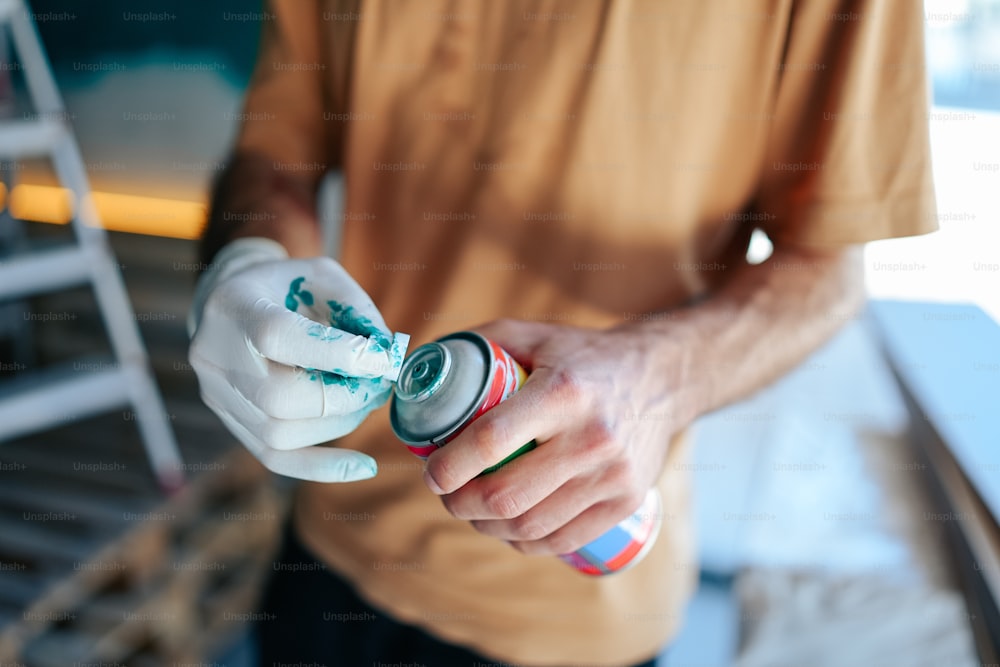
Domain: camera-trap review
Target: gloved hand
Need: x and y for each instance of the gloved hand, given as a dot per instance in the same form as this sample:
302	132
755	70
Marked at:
291	353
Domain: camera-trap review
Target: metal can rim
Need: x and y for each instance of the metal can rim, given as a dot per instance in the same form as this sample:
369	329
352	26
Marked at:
483	344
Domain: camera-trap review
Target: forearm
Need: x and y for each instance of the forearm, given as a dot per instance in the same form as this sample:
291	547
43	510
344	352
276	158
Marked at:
758	326
252	198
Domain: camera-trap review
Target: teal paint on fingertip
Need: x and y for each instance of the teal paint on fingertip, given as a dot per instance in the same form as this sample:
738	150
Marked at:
400	342
397	352
347	318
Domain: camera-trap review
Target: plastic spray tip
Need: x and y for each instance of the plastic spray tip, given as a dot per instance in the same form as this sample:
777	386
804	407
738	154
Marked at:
400	341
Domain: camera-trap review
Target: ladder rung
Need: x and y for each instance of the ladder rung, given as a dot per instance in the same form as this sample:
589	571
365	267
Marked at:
76	394
30	138
41	399
42	271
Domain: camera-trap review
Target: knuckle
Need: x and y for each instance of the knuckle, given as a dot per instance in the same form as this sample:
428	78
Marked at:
226	303
271	398
528	528
567	387
492	433
504	502
265	338
600	443
603	435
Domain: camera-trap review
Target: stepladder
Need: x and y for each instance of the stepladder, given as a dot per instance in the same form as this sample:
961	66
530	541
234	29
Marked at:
36	400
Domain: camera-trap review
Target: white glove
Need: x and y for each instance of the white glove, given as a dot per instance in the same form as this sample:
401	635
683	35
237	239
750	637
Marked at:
272	369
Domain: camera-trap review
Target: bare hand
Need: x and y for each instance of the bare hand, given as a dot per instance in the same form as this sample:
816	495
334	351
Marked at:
602	406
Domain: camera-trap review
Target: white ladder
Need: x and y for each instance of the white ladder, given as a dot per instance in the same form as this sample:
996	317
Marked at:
47	398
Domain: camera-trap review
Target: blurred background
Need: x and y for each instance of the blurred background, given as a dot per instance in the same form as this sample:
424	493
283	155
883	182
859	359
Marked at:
846	515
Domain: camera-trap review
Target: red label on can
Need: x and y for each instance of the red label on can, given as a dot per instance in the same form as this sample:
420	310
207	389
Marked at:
506	377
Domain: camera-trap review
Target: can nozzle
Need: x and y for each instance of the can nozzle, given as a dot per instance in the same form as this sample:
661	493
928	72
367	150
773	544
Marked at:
397	350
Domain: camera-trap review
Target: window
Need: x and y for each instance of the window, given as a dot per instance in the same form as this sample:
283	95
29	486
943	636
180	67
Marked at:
962	261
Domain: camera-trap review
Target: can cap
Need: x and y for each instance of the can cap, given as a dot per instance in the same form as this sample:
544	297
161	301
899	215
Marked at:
424	373
440	385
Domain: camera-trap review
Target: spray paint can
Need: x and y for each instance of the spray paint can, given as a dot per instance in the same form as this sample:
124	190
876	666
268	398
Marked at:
446	385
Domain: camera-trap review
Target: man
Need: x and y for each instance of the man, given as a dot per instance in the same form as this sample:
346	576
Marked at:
583	176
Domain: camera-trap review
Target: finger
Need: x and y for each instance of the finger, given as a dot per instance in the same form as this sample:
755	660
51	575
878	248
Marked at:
298	393
291	339
548	404
279	434
314	464
518	487
588	526
320	464
288	434
547	516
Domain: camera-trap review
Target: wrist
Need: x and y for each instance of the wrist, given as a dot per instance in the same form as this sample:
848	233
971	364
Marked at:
252	199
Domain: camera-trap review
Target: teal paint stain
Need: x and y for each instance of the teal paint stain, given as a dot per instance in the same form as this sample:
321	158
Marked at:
297	294
348	319
328	379
376	392
396	354
323	333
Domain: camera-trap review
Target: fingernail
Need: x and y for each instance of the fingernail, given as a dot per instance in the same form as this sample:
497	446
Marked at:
431	484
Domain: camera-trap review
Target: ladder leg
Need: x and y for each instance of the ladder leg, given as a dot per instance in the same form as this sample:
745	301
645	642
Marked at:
28	46
119	318
112	298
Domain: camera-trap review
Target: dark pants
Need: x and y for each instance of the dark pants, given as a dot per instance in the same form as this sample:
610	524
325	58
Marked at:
310	615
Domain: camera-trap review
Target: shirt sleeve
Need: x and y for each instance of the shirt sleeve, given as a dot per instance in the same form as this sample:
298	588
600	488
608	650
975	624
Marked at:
282	117
848	159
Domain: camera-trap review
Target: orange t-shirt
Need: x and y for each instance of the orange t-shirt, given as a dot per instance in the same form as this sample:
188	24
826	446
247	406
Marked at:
583	162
